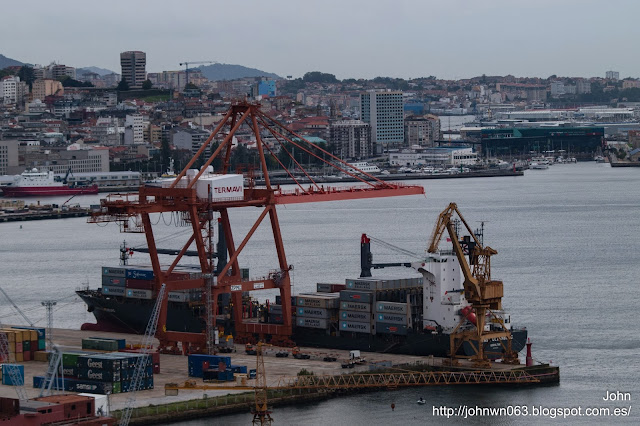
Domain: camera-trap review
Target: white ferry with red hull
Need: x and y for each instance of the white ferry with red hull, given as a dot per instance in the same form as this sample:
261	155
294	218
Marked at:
33	183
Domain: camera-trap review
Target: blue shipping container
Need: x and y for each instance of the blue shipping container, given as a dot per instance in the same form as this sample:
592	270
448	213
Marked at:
6	377
140	274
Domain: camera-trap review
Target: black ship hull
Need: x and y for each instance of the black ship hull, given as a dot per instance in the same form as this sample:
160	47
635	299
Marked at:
126	315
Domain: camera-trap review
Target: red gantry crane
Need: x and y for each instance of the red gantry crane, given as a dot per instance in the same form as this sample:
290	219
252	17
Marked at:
183	197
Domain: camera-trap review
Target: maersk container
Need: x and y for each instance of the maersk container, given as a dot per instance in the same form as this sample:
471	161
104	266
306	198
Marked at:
7	379
355	316
364	284
391	328
114	281
178	296
139	294
355	306
275	309
329	288
140	274
312	322
391	318
355	296
113	291
113	271
325	301
352	326
391	308
312	312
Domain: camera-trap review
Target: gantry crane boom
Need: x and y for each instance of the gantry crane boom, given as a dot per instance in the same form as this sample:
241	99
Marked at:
181	197
187	63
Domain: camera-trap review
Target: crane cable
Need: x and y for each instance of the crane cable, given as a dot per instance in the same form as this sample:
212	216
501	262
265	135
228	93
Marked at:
394	248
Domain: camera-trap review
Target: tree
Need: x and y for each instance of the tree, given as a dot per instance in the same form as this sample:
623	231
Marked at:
27	75
319	77
123	86
147	85
190	86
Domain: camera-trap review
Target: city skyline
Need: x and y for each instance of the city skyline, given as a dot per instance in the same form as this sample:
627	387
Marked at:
404	39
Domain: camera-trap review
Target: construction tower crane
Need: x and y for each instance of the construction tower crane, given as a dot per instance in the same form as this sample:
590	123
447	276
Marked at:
484	294
186	65
187	199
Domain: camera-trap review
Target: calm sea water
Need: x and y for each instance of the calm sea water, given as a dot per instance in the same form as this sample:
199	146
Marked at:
568	243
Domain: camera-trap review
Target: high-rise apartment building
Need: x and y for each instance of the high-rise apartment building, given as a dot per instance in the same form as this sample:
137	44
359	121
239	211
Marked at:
422	131
383	110
352	139
134	65
612	75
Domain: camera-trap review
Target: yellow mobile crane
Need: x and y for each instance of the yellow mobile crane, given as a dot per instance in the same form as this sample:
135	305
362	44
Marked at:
484	294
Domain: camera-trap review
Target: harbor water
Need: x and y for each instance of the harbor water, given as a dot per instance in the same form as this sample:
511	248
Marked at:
567	241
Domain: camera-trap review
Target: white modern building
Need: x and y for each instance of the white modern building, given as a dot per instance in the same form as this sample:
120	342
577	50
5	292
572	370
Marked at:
11	89
134	129
434	157
383	110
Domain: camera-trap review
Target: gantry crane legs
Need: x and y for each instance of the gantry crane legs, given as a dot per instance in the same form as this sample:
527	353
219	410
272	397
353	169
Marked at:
181	199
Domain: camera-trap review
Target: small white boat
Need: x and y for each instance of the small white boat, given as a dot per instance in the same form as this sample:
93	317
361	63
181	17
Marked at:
421	401
538	166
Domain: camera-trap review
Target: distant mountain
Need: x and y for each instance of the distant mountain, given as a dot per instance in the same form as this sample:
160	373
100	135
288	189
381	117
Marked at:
100	71
8	62
217	72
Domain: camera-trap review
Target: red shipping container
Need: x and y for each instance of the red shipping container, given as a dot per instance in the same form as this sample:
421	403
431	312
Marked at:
18	347
27	356
140	284
156	368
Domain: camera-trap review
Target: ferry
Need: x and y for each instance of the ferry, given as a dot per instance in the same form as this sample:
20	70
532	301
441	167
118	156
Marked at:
42	183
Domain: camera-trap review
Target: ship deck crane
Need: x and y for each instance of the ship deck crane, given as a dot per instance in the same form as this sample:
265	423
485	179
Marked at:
186	65
484	293
180	199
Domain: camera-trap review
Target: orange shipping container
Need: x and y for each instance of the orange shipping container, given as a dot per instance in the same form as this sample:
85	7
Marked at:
19	357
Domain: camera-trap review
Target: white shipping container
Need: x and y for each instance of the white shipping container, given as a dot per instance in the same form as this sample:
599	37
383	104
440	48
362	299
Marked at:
223	187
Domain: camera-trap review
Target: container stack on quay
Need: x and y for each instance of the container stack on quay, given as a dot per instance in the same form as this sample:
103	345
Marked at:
25	344
214	368
137	282
369	306
100	373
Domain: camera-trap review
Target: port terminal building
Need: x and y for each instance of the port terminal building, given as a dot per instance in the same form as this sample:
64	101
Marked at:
523	141
440	156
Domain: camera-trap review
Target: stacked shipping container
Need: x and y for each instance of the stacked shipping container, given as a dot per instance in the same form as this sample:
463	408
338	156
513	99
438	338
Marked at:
101	373
23	343
137	282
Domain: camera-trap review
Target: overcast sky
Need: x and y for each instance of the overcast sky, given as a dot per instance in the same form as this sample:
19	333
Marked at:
351	39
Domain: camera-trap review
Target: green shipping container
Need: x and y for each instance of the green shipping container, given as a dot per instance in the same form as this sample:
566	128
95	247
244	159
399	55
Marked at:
71	359
42	344
26	346
116	387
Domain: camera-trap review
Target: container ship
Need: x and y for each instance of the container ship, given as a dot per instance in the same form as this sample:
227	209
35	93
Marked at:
405	315
43	183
